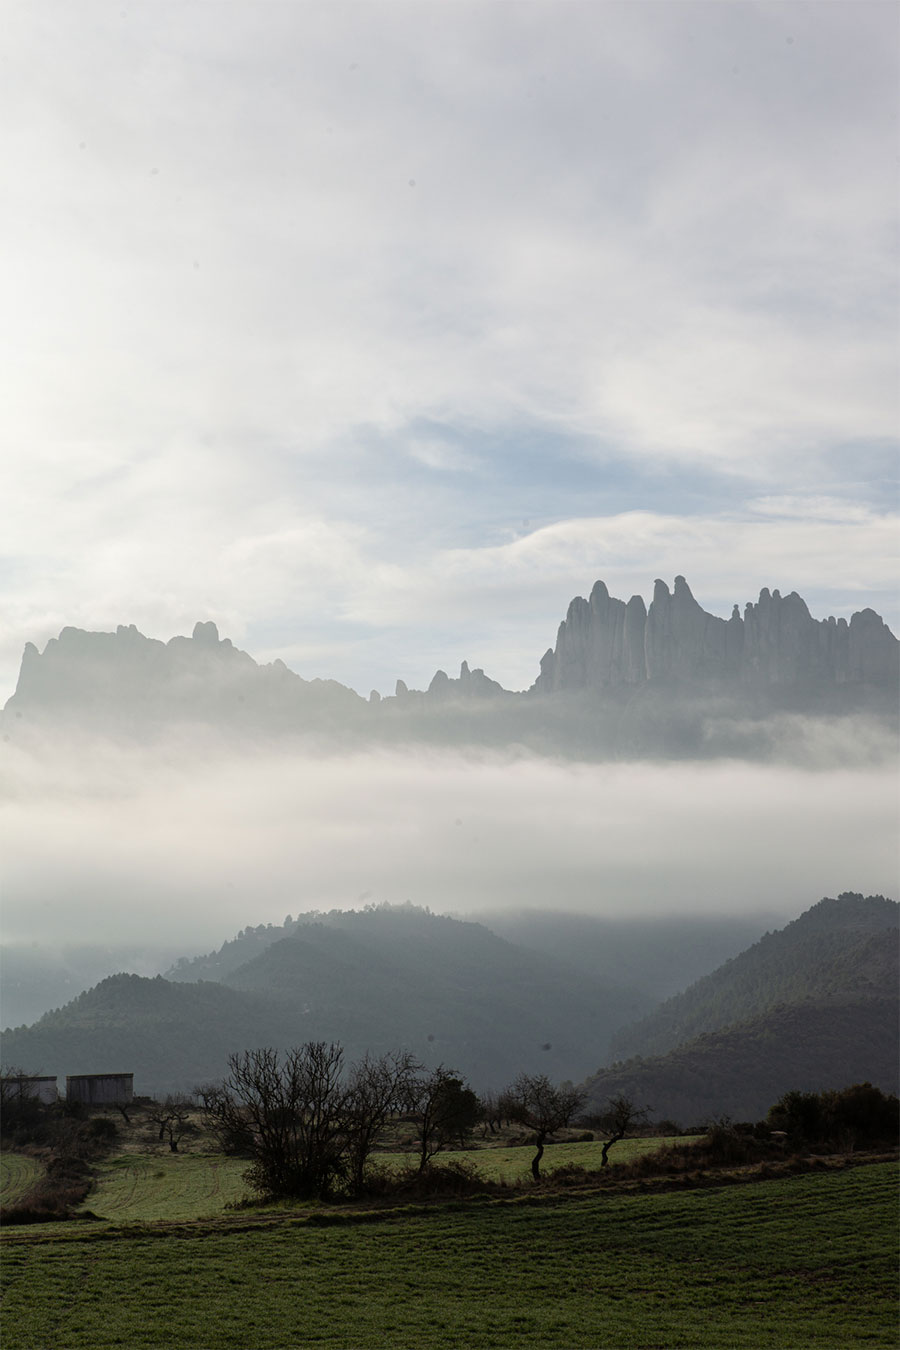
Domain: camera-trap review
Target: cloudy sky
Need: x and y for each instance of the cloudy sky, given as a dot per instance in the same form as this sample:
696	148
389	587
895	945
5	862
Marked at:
375	332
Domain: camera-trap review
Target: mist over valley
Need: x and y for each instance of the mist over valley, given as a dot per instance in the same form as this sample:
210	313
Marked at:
671	787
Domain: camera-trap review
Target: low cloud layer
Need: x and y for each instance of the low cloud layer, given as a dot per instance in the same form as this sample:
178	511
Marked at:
185	845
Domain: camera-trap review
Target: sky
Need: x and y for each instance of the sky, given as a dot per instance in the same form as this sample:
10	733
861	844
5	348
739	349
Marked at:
376	332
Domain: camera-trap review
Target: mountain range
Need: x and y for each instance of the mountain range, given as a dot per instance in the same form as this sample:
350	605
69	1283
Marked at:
811	1006
448	990
623	678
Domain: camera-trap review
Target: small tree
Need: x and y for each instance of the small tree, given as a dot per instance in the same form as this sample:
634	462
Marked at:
173	1118
377	1088
532	1100
800	1115
289	1110
621	1117
491	1113
447	1109
309	1127
22	1113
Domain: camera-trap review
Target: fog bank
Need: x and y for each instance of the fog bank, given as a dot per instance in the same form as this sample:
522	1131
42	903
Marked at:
184	844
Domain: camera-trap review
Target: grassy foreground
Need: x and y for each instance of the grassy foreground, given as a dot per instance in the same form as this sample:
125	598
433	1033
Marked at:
806	1261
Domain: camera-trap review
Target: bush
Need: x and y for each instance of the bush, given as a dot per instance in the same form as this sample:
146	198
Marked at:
571	1174
724	1144
52	1198
102	1130
452	1179
857	1115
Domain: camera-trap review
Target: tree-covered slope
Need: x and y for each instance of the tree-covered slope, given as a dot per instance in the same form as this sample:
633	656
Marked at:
171	1036
741	1071
382	979
845	948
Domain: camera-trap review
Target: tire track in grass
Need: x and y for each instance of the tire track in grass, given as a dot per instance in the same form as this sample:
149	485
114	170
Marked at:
18	1174
177	1187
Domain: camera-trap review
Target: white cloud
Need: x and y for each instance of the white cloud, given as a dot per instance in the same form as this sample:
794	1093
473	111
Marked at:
601	216
665	230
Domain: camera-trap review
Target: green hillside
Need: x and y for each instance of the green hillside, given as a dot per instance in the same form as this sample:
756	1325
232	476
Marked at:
742	1070
171	1036
381	979
845	948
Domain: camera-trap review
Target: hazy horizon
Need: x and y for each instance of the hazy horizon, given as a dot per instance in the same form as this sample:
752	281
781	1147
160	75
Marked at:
201	840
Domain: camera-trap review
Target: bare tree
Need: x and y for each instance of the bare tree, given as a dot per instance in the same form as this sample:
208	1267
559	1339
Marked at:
289	1109
309	1127
173	1118
534	1101
21	1109
491	1114
377	1089
621	1116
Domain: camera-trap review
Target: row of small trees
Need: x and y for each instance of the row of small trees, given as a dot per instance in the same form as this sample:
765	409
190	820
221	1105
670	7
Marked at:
310	1123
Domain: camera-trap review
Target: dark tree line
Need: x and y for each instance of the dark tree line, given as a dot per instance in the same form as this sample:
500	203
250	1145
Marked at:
852	1117
310	1124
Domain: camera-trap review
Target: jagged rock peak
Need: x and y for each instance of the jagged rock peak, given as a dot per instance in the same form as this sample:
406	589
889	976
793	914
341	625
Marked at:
471	684
604	643
124	677
207	633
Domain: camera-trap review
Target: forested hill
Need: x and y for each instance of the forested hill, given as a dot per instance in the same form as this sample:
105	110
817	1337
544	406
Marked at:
811	1007
741	1070
657	957
380	979
844	948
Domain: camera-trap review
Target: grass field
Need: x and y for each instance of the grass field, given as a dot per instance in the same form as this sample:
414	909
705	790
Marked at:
17	1176
514	1164
140	1187
806	1261
174	1186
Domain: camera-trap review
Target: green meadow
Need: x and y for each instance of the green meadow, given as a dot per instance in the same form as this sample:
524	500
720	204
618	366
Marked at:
137	1187
800	1261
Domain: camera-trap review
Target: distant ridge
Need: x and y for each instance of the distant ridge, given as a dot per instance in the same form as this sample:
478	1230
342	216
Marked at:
741	1071
383	978
622	679
843	948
